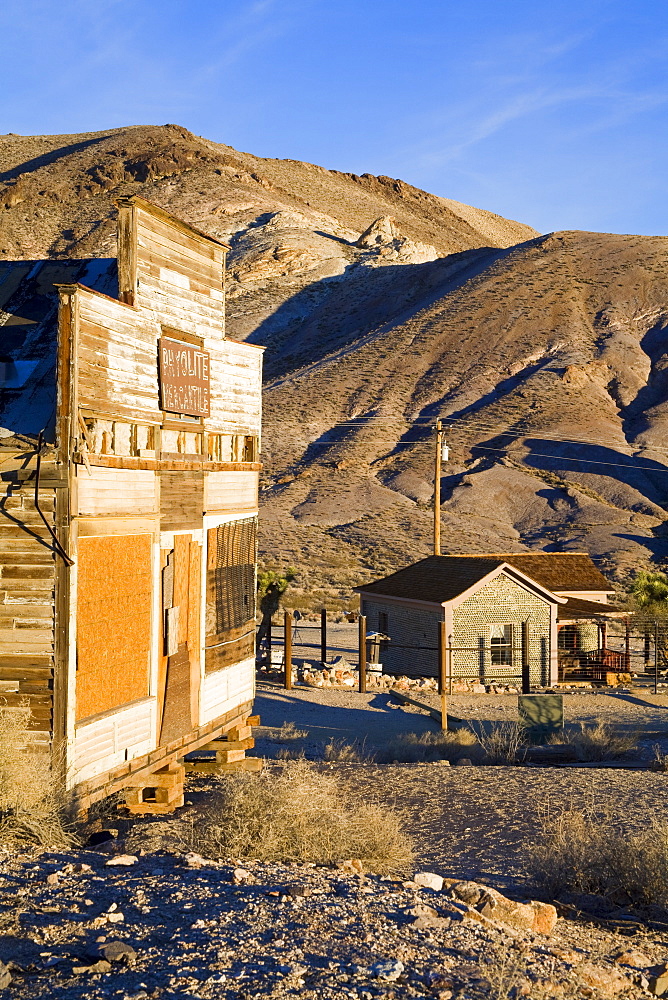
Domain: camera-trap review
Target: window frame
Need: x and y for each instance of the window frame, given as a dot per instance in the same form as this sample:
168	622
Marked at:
502	646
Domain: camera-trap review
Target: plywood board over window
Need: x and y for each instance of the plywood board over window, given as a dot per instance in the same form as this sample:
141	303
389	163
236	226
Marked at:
113	622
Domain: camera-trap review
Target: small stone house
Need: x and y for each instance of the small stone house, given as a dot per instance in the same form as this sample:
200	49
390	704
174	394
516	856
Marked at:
484	601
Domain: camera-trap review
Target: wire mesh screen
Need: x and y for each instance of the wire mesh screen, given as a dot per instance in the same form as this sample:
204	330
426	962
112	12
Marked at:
231	572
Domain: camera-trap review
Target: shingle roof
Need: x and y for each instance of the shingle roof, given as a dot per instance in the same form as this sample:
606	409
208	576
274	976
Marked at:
576	607
559	571
442	578
435	579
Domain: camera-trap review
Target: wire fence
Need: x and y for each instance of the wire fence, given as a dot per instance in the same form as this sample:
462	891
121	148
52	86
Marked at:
524	662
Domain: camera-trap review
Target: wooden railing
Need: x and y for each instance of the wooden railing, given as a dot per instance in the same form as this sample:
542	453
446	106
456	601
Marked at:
592	663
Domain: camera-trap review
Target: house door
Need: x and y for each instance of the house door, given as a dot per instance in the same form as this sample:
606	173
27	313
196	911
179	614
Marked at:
180	667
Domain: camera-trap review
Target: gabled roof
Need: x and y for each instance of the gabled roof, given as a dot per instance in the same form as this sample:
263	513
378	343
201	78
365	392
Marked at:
441	579
558	571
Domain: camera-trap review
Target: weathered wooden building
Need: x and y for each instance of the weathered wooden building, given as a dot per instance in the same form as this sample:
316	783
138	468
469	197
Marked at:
484	601
128	534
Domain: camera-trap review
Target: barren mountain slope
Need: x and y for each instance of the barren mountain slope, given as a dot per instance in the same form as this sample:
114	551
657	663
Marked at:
384	307
548	365
58	192
295	228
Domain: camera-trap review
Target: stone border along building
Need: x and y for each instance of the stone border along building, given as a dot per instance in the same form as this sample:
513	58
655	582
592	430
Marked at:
129	451
484	601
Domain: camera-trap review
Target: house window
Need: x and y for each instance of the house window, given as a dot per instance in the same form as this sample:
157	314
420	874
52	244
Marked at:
568	637
382	622
502	645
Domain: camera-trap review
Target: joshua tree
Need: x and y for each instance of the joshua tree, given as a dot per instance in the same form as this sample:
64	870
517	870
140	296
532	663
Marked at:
649	588
649	592
271	585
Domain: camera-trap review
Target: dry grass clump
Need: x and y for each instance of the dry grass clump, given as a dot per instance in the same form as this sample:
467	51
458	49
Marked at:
598	742
505	743
579	850
342	751
411	748
288	731
298	812
31	810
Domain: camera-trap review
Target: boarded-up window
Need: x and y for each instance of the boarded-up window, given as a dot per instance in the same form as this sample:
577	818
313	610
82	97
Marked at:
113	622
230	604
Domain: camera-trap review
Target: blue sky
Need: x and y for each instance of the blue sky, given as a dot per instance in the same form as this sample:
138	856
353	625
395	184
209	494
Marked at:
553	113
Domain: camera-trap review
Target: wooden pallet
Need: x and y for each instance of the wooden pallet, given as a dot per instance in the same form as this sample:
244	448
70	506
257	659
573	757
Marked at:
230	749
156	794
214	767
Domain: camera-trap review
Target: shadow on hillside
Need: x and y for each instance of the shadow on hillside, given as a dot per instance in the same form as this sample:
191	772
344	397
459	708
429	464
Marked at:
329	315
572	458
646	475
634	415
54	154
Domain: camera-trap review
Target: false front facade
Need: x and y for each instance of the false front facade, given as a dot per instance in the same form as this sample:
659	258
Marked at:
130	444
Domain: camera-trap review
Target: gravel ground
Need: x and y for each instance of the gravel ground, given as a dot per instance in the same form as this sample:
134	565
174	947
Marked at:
473	822
199	928
191	929
377	718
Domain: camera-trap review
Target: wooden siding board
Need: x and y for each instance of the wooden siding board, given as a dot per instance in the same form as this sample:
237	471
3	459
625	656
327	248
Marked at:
181	498
27	594
115	491
148	226
229	492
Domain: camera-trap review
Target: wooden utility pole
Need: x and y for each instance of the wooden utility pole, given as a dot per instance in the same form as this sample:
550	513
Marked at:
362	653
441	454
442	674
287	649
437	490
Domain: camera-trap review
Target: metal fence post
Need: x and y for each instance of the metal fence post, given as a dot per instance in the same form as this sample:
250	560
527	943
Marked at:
287	649
362	653
323	636
526	663
442	672
269	644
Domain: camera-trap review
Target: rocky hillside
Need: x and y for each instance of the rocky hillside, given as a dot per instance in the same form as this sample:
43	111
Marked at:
382	308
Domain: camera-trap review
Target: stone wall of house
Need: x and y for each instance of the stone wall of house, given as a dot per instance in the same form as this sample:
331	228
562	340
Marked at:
501	602
410	631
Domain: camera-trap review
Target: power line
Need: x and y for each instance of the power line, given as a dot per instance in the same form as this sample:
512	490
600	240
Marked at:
456	422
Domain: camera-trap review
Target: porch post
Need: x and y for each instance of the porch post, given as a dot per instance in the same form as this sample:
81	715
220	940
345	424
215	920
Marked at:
553	655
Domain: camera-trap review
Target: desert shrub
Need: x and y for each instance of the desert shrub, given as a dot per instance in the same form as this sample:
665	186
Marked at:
291	753
31	809
597	742
289	731
299	812
345	752
579	850
503	743
411	748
